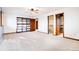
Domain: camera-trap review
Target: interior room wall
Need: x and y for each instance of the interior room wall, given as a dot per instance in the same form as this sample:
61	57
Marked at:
9	18
71	22
43	21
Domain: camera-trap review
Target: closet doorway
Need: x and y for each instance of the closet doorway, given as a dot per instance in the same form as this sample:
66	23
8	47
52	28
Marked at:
50	24
59	23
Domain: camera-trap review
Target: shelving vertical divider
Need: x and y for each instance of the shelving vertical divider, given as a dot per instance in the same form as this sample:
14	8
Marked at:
21	25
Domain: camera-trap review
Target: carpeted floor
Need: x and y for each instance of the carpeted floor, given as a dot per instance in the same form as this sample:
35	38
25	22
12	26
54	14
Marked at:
36	41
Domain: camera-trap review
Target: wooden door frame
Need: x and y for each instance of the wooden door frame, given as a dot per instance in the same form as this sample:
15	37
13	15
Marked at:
48	22
1	18
56	22
36	24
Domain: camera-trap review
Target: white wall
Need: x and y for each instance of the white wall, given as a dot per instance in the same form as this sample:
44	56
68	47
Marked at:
1	34
71	22
43	21
9	18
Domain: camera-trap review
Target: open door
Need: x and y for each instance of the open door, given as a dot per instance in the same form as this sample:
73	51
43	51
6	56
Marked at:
59	23
32	24
50	24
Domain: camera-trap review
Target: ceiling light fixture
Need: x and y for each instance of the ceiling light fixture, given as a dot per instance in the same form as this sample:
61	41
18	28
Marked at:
33	10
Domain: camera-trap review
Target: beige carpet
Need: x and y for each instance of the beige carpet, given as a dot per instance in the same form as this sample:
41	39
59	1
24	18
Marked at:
36	41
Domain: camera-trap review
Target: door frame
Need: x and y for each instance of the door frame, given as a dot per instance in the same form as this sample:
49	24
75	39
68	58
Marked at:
56	22
48	22
1	18
36	24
